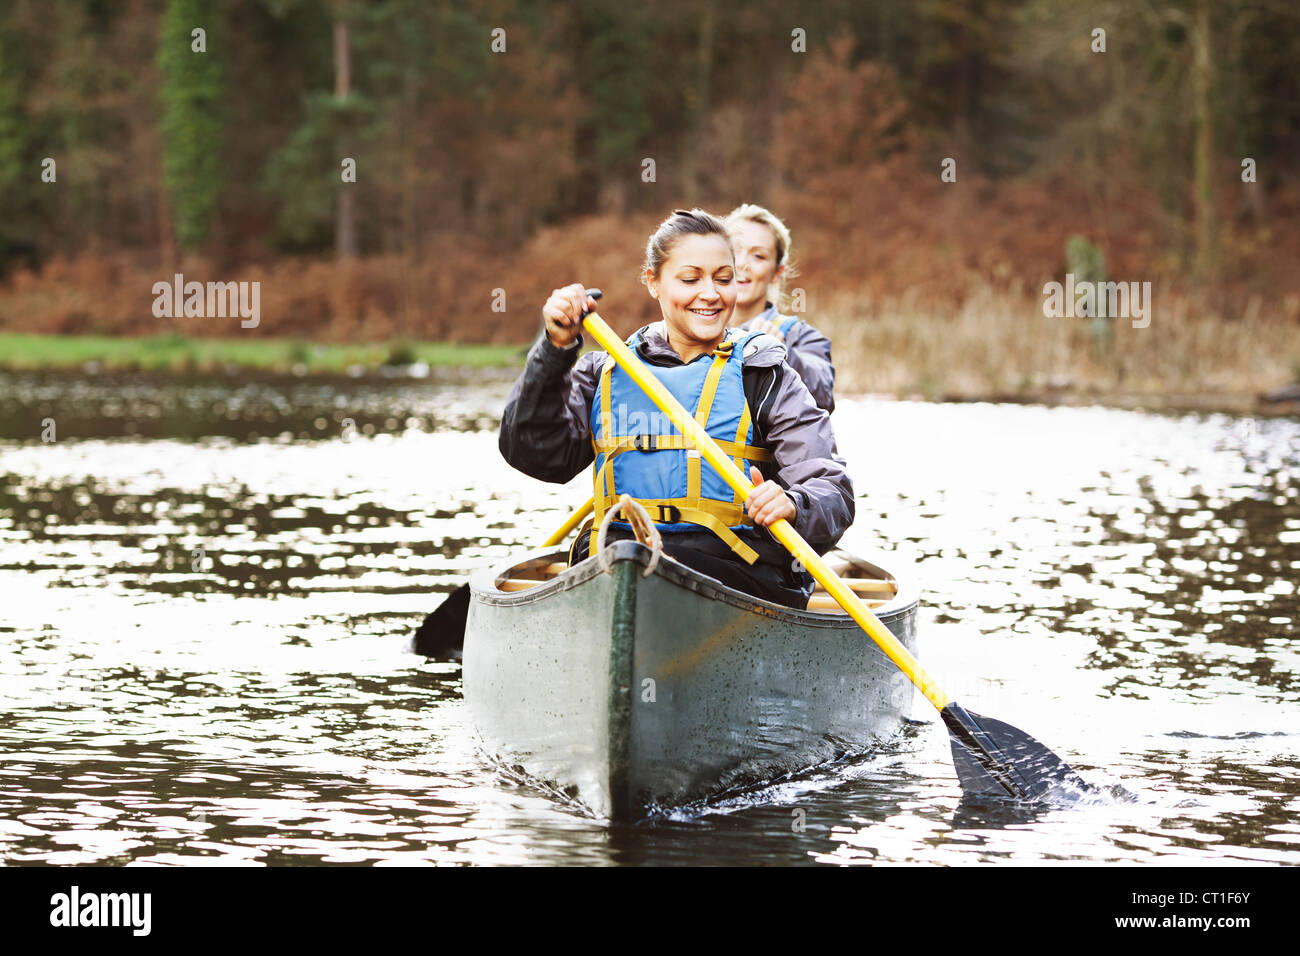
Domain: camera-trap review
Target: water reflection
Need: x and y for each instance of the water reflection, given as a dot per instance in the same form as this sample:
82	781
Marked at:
205	633
245	406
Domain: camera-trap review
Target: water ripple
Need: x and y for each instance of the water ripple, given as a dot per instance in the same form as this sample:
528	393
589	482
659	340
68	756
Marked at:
206	625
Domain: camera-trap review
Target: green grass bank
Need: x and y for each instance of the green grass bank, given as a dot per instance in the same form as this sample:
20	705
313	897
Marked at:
175	353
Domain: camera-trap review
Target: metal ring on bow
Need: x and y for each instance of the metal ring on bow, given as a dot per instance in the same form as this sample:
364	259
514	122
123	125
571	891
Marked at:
642	528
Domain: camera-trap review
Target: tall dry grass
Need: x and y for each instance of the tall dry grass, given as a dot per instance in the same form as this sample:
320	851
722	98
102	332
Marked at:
1001	345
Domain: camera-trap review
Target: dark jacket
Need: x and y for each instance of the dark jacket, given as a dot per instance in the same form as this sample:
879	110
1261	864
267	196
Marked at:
808	352
546	430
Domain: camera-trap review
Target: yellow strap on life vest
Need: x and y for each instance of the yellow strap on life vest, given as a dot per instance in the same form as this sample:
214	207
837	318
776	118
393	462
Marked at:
717	516
604	483
741	432
622	443
721	355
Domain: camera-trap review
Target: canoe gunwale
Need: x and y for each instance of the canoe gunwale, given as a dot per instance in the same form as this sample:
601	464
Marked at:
484	586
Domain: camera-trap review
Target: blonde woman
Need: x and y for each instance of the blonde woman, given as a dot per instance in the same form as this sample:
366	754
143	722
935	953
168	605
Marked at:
761	243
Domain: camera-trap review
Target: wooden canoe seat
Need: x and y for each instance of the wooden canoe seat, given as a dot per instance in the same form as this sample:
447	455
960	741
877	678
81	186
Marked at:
518	584
867	586
821	601
873	591
538	573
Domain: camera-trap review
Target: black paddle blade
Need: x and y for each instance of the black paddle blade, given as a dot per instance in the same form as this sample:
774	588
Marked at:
443	632
996	759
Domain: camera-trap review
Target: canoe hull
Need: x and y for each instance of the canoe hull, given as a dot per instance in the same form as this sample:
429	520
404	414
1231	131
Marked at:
630	694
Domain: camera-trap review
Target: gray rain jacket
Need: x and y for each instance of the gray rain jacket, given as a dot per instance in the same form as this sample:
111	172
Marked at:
808	352
546	430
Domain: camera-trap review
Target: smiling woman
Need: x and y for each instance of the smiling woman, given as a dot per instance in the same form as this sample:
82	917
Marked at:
566	412
697	290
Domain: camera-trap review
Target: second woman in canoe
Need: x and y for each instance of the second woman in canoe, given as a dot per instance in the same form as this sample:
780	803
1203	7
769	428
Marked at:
762	248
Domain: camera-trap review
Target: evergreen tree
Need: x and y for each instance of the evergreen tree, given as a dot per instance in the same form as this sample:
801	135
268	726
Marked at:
191	123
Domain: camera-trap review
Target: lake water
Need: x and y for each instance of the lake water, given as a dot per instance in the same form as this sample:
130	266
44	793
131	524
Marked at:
208	587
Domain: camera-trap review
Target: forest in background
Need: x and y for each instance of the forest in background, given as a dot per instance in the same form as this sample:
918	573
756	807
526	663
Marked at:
526	168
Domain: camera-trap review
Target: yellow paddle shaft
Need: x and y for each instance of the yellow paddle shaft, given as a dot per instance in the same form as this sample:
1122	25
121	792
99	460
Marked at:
782	530
575	519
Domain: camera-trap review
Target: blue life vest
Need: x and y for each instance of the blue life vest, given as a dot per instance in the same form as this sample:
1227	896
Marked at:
640	452
785	323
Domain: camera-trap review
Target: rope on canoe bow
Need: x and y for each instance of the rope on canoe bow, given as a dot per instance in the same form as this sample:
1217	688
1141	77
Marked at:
642	527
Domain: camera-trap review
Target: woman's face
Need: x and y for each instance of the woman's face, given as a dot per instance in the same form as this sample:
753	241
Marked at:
696	289
756	268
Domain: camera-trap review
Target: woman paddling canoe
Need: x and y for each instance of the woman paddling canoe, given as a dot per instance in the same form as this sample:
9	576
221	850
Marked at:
565	412
762	249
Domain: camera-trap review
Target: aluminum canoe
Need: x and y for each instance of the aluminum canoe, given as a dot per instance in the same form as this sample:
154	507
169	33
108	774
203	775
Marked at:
629	694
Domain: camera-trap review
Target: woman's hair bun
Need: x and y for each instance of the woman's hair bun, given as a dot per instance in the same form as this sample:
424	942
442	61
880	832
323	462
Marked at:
682	223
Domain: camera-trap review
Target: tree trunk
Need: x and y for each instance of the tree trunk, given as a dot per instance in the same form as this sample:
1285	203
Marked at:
345	222
166	231
699	92
763	173
964	91
1203	158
